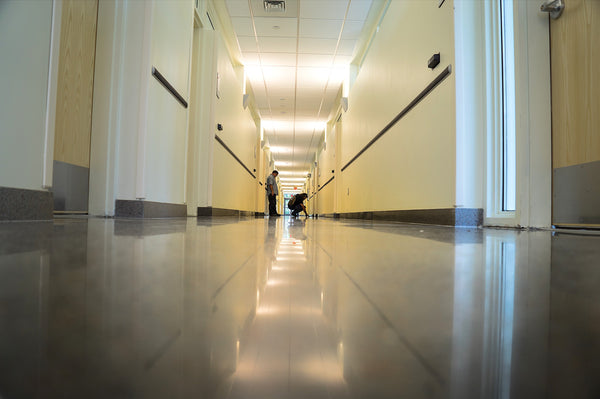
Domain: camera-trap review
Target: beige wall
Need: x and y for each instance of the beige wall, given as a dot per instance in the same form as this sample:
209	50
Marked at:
326	164
25	28
139	130
233	187
413	165
166	129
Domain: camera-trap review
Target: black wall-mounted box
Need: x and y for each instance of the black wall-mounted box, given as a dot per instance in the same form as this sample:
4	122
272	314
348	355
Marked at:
434	61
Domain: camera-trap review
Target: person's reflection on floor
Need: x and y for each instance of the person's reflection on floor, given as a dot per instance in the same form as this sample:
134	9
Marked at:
270	238
296	228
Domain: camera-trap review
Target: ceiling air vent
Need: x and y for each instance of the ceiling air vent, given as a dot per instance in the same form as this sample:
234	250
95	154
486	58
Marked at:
274	5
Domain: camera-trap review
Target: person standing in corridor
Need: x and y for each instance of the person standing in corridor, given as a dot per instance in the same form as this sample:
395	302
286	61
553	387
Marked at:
272	191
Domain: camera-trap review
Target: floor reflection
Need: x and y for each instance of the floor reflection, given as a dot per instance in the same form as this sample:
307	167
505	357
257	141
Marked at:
295	308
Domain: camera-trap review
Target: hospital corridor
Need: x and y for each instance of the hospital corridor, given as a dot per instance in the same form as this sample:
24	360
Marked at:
299	199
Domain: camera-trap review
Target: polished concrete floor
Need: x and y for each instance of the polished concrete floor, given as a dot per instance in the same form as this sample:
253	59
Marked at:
258	308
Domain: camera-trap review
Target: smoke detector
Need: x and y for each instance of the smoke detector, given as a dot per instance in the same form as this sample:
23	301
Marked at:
274	5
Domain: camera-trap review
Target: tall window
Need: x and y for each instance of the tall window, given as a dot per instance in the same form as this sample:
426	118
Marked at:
509	151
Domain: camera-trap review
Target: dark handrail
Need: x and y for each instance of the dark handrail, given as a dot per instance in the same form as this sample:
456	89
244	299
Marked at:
233	155
402	113
326	183
169	87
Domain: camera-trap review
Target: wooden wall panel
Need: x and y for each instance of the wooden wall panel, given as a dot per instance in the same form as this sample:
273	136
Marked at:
75	82
575	44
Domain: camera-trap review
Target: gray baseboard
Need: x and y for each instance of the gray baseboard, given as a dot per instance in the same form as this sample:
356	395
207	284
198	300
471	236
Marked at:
70	187
148	209
209	211
467	217
576	194
21	204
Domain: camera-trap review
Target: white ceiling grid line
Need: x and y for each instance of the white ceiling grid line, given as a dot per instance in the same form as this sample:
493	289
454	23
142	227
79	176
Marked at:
296	62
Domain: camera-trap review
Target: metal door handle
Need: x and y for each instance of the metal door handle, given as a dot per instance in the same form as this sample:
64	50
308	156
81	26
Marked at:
554	7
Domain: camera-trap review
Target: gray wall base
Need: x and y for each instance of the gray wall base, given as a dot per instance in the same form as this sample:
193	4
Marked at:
576	195
70	186
148	209
209	211
20	204
447	217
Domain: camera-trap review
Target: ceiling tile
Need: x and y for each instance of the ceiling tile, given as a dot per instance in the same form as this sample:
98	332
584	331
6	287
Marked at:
242	26
277	44
309	102
279	77
265	26
316	46
315	60
323	9
342	60
312	77
320	28
255	78
346	47
278	59
238	8
338	75
359	10
309	94
250	59
247	44
352	29
332	91
278	93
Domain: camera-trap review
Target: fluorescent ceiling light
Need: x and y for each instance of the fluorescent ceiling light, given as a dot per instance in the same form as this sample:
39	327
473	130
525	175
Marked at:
285	172
289	125
281	149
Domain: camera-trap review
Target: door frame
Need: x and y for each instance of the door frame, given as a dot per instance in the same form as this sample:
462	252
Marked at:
533	120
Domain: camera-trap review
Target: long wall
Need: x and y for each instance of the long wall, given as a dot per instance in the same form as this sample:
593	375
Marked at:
326	170
166	128
145	144
139	130
412	166
23	91
233	187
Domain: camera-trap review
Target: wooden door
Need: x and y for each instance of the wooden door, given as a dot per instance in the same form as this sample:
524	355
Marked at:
575	60
74	105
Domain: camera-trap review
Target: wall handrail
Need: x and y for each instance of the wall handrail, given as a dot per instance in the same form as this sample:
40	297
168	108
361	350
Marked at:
326	183
233	155
445	73
169	87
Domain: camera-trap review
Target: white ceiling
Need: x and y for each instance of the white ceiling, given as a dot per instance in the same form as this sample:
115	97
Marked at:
296	63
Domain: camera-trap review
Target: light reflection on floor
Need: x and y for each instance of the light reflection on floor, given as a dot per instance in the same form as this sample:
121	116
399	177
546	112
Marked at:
230	308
